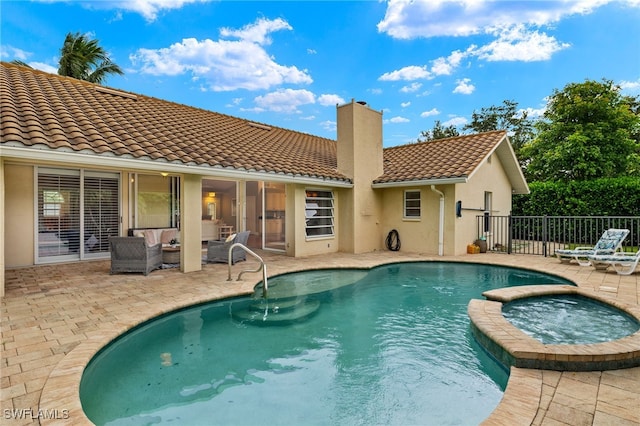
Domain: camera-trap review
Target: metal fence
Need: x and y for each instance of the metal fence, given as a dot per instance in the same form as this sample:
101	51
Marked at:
543	235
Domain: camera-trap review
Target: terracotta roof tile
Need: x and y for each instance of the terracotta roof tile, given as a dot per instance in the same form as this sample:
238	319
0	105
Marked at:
60	112
440	159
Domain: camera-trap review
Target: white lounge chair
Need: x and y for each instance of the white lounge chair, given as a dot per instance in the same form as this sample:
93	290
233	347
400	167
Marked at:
609	243
622	263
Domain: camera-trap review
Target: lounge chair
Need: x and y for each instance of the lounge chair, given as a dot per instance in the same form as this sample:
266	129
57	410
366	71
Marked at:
218	251
132	254
609	243
622	263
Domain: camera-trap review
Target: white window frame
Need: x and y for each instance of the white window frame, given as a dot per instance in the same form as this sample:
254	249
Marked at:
319	204
407	208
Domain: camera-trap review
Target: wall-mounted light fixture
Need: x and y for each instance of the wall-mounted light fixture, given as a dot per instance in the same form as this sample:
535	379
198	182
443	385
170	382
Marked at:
164	174
212	195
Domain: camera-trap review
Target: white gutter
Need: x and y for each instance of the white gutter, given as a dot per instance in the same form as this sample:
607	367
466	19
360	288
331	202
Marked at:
160	166
440	222
405	183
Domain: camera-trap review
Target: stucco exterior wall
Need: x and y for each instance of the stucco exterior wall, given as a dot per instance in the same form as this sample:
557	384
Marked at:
419	235
304	246
489	177
19	219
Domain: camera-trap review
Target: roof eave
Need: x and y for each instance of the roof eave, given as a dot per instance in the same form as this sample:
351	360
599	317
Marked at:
47	155
421	182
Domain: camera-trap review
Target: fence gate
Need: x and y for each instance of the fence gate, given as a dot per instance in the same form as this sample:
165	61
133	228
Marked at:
543	235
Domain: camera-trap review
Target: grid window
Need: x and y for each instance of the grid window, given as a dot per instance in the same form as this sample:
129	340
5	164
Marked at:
412	204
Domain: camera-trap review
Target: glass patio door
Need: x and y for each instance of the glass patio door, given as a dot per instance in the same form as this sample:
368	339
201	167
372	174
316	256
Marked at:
274	214
77	211
265	214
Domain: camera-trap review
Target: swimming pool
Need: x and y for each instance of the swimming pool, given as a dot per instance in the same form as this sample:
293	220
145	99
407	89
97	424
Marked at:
391	345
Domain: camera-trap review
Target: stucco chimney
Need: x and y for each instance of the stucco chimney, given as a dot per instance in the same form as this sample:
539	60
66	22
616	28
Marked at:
359	141
360	158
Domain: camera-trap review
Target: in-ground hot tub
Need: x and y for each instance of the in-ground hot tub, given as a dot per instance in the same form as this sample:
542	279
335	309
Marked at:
553	337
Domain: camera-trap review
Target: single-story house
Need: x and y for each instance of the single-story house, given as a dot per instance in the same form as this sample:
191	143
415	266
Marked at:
81	162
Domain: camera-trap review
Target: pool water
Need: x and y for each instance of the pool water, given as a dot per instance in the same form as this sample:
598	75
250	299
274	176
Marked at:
387	346
569	319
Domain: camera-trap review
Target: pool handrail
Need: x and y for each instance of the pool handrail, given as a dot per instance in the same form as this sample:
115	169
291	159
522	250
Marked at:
262	267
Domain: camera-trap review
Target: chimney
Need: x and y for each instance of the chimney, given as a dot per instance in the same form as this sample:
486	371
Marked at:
360	158
359	142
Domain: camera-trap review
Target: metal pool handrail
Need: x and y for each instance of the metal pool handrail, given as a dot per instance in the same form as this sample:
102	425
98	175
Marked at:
262	267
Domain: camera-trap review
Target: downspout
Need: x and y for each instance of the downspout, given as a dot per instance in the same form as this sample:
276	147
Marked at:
441	222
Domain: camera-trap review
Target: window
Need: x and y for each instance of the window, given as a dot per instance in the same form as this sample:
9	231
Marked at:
319	213
412	204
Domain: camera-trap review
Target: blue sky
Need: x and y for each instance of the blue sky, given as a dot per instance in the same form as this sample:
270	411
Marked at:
288	63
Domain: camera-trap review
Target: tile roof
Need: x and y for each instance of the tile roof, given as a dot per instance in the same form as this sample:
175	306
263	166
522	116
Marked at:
40	109
439	159
46	110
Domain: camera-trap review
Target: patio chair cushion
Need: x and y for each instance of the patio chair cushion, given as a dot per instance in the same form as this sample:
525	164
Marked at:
609	242
167	235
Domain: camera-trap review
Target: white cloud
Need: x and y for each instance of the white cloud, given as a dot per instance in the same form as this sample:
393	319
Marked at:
225	64
630	86
518	44
13	53
405	104
284	100
413	87
149	9
445	66
257	32
407	19
330	126
430	113
532	112
409	73
455	122
43	67
464	87
397	119
330	100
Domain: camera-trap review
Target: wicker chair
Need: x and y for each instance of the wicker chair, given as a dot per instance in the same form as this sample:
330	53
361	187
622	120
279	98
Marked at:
132	254
218	251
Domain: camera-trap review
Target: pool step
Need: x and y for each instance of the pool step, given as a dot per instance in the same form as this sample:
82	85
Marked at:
276	311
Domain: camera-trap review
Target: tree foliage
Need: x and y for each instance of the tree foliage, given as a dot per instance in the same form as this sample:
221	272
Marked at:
438	132
518	125
589	131
85	59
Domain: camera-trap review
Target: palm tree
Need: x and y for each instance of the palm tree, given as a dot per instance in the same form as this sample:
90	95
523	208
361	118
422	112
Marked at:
83	59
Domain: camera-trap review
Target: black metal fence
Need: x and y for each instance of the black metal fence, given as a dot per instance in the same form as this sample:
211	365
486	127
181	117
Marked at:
543	235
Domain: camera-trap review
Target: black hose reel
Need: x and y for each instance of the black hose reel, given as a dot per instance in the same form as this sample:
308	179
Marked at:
393	240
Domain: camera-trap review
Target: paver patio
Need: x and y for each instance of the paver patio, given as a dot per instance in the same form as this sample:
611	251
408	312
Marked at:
54	318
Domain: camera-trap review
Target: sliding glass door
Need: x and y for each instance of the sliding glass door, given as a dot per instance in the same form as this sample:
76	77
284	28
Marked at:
77	211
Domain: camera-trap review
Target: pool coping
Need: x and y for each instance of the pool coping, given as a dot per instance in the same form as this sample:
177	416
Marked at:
514	348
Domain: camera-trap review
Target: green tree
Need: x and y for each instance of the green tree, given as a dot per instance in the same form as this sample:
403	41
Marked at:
589	131
84	59
438	132
518	125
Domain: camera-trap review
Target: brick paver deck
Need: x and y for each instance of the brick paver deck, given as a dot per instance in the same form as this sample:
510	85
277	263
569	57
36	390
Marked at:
54	318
